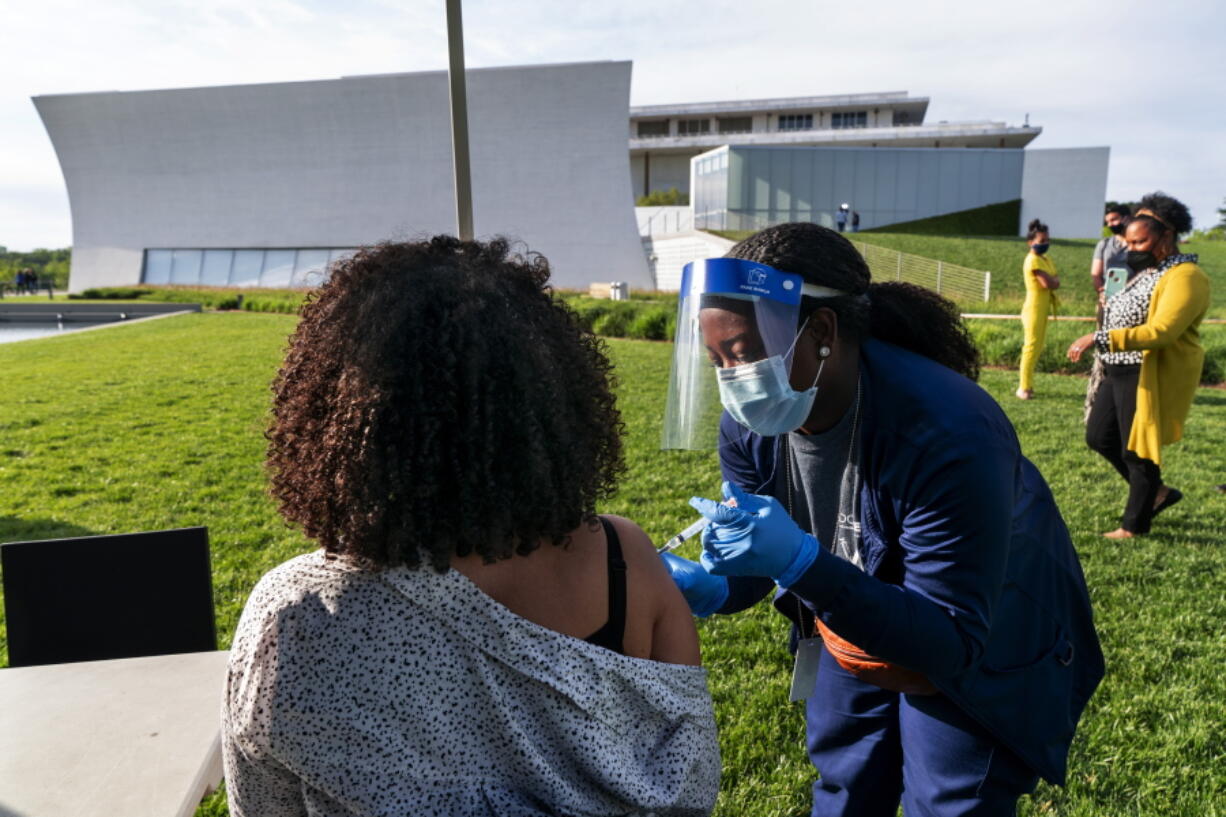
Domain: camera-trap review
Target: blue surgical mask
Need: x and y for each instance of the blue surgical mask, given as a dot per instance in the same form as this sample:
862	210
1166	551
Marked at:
760	396
1039	249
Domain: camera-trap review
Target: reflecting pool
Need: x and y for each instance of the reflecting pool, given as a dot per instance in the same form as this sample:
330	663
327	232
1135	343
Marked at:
15	331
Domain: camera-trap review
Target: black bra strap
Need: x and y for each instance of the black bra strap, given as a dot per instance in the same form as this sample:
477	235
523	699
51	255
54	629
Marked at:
612	634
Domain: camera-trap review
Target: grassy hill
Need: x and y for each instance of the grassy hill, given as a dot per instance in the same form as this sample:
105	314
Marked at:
1003	257
991	219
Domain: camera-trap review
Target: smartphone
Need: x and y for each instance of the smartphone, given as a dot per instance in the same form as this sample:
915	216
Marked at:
1117	278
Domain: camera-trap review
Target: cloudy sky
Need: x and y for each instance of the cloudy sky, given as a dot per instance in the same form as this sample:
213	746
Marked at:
1148	79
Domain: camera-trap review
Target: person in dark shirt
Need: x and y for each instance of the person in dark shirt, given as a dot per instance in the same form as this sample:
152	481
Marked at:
1111	252
883	500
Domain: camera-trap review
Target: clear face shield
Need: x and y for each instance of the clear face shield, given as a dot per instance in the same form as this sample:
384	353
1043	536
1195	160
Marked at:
730	313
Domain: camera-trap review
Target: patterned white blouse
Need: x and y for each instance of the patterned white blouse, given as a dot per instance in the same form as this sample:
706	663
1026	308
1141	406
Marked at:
398	692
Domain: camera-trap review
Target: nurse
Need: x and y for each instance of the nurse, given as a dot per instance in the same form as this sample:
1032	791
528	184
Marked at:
882	497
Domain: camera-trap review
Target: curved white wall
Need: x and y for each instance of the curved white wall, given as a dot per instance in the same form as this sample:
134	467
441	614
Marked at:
340	163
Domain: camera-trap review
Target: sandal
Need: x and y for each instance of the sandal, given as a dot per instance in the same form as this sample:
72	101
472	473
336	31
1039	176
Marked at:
1173	495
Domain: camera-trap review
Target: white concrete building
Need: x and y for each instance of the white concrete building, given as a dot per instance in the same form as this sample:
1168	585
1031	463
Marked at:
1067	189
264	184
663	138
742	187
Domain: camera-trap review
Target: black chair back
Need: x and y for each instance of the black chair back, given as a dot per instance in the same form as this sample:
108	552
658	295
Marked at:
92	598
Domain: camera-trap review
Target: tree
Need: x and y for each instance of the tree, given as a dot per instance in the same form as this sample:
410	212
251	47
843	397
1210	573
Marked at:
51	265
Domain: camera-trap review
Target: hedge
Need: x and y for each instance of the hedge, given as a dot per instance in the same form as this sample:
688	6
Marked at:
250	299
1000	343
654	317
639	319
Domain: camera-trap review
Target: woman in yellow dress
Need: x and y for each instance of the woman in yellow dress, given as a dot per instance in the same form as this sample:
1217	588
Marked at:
1039	275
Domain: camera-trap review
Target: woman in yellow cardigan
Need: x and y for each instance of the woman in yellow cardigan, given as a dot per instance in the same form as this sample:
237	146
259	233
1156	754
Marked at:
1150	345
1039	275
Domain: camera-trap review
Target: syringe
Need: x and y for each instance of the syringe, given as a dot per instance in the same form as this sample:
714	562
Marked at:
685	535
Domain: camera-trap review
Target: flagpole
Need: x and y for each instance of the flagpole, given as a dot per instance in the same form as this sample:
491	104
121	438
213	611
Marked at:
459	122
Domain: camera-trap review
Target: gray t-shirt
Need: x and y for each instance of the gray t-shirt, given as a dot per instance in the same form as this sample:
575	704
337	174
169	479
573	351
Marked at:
1113	252
825	486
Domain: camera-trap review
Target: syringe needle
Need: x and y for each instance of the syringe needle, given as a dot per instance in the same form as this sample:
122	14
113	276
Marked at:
680	538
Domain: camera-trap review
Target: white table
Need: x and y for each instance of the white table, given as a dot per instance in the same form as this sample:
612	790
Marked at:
132	737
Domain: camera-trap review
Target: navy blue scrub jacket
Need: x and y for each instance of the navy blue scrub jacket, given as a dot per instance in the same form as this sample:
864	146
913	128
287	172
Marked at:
970	575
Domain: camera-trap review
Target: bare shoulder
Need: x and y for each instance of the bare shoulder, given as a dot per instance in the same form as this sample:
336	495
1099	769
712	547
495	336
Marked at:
674	638
637	547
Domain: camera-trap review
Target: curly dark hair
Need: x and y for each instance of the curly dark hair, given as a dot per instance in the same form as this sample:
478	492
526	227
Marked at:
1034	228
1171	214
437	399
906	315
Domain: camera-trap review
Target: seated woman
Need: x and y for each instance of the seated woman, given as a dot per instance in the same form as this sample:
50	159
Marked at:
471	638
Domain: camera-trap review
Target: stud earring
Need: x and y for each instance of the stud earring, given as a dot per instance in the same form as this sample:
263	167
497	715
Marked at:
824	351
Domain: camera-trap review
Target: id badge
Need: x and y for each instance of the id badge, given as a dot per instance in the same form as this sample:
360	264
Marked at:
804	674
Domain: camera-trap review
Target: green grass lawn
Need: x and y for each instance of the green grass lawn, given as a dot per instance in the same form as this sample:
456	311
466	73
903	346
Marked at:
159	425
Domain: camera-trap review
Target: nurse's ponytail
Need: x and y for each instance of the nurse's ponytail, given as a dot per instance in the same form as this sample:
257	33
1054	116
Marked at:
919	319
905	315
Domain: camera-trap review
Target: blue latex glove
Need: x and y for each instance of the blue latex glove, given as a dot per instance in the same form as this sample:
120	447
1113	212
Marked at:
703	592
756	537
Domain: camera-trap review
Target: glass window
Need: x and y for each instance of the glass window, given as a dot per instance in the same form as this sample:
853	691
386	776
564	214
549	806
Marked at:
215	271
693	126
246	269
849	119
310	268
337	255
185	267
795	121
278	268
157	266
735	124
657	127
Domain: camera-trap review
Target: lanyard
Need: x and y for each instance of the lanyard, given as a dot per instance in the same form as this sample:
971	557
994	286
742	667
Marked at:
844	490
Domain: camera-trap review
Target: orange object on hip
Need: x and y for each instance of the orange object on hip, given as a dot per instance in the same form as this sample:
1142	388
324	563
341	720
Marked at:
871	669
